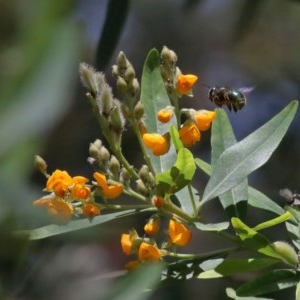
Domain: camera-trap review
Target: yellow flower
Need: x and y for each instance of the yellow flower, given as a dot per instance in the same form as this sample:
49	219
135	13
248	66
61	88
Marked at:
203	119
108	191
59	182
152	226
189	134
185	83
79	190
179	234
159	144
90	210
149	252
131	265
127	242
60	211
164	115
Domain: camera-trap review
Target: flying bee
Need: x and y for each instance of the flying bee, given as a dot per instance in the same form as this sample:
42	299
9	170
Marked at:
234	99
291	199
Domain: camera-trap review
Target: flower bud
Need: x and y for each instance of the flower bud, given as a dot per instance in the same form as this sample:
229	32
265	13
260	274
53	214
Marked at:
129	73
139	110
115	71
141	188
106	102
116	118
88	78
142	127
94	151
158	201
104	154
135	87
286	252
40	164
122	85
124	175
98	143
168	56
114	165
122	60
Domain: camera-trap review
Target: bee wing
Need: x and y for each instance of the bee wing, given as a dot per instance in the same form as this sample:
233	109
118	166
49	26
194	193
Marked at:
246	90
296	202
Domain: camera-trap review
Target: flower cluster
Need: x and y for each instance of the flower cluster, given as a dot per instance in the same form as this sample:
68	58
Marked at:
73	196
113	175
145	248
177	85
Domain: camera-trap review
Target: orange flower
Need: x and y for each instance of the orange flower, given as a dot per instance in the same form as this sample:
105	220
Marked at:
59	182
189	134
164	115
90	210
203	119
149	252
108	191
152	226
127	241
185	83
158	201
131	265
159	144
60	211
79	190
179	234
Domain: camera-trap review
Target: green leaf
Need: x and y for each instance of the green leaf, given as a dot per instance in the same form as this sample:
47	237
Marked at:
184	198
256	198
232	295
241	159
261	201
51	230
181	174
258	242
203	165
270	282
234	201
154	97
294	233
220	267
136	284
217	227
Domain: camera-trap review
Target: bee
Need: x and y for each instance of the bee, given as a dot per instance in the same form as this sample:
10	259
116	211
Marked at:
234	99
291	199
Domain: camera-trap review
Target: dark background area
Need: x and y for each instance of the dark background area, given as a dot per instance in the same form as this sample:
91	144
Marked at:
44	111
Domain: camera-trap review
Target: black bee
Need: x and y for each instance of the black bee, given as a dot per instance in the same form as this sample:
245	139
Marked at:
291	199
234	99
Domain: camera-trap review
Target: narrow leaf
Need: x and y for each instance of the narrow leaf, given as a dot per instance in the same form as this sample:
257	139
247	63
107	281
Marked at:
234	201
261	201
154	97
217	227
270	282
273	222
220	267
241	159
51	230
136	284
232	295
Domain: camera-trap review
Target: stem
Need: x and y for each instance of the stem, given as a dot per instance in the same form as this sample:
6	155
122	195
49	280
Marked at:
192	200
202	255
133	193
171	208
128	206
